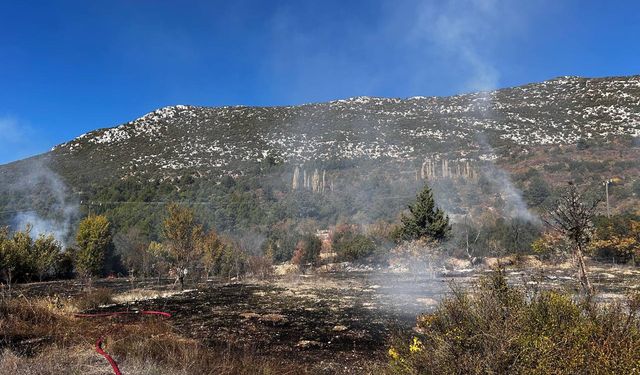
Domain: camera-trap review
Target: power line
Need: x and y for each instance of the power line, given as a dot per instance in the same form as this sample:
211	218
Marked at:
160	203
16	211
144	202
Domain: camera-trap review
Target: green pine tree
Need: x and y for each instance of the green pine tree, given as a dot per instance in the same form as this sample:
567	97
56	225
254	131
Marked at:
427	221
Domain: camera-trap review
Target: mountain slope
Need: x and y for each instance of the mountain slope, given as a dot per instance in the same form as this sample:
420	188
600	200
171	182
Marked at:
215	141
355	160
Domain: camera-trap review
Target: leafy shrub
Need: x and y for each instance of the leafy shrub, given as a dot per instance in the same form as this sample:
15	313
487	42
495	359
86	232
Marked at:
552	168
501	329
636	188
551	246
307	251
617	238
582	144
350	245
537	192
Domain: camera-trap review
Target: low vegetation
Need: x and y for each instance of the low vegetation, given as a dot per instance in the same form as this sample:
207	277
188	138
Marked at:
307	252
503	329
350	245
497	328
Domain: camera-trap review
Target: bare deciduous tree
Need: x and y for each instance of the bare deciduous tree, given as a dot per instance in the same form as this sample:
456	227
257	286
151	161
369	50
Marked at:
572	215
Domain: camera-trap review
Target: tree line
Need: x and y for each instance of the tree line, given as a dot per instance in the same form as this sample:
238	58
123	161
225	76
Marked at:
187	248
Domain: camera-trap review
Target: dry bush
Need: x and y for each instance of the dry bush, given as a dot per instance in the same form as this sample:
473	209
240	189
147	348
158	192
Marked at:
27	324
502	329
94	299
22	319
260	266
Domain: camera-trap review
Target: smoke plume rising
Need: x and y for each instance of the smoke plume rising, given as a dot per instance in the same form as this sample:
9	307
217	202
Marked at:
52	210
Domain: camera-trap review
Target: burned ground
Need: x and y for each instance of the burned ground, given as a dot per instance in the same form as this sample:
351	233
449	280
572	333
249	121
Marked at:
333	322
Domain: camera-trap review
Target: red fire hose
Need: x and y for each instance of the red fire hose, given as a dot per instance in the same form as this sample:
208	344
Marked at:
99	349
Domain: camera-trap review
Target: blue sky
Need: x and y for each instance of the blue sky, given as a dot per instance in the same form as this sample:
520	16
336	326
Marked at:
68	67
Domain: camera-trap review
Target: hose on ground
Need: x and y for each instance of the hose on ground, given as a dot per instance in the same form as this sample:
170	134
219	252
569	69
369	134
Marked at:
99	350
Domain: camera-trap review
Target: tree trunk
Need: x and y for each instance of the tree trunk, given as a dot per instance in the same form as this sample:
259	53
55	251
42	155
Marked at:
584	278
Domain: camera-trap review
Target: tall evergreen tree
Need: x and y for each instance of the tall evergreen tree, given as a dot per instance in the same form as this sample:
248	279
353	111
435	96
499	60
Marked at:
426	219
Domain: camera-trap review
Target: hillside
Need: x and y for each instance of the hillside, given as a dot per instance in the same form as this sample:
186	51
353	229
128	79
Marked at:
366	156
172	141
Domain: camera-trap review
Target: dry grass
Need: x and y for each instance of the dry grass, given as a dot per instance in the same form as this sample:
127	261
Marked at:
94	299
83	361
145	294
154	343
54	361
40	336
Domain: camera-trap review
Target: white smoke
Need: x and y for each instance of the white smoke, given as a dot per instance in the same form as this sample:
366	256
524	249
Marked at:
45	187
460	30
515	206
466	32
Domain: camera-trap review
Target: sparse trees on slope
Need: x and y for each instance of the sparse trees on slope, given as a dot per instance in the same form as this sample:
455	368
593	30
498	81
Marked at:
94	244
182	233
572	215
427	221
